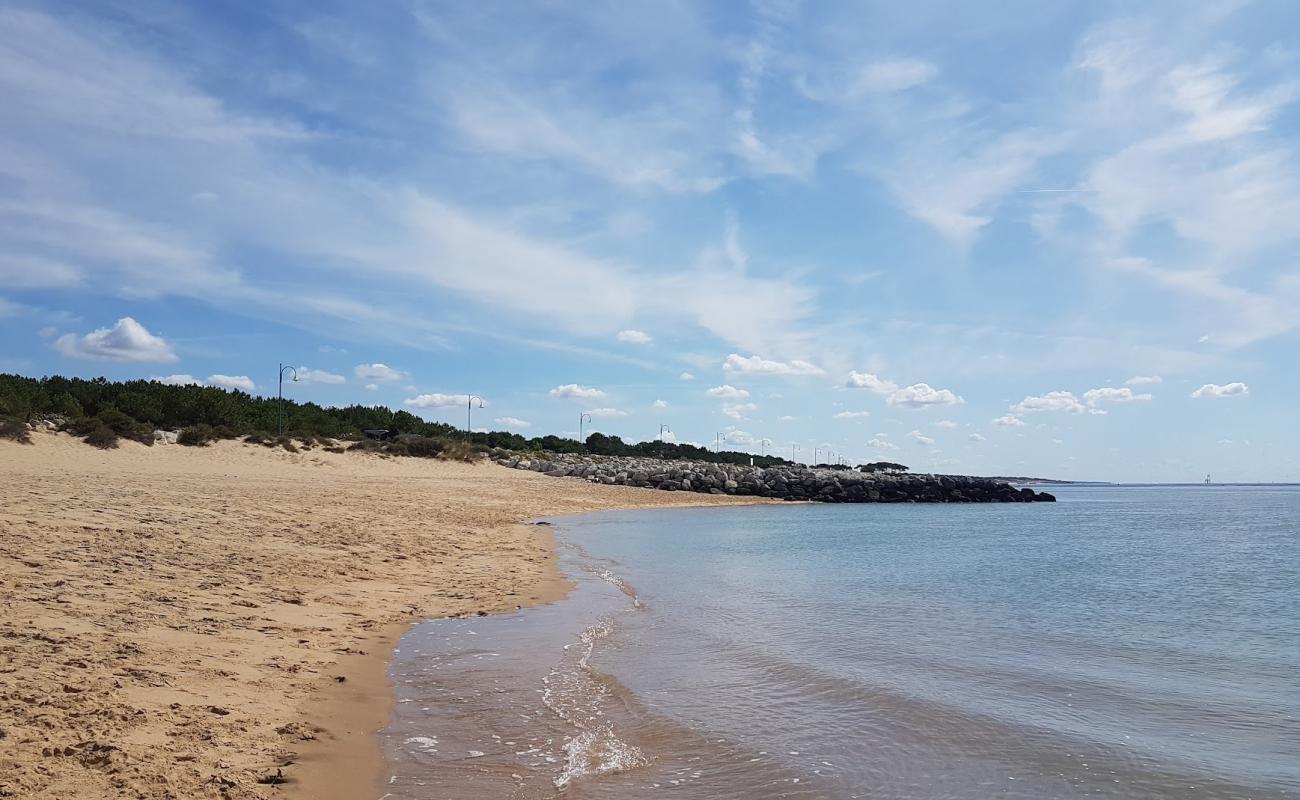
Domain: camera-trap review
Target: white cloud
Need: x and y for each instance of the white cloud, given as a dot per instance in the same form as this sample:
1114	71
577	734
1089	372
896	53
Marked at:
728	391
179	380
1052	401
881	444
738	410
659	405
976	437
634	337
437	400
1008	421
319	376
1142	380
607	412
126	341
241	382
512	422
380	373
575	392
945	423
686	376
1094	397
372	387
755	365
1234	389
786	418
920	437
919	395
852	414
870	382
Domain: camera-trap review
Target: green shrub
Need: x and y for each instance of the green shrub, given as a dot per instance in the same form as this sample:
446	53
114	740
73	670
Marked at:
121	424
366	446
103	437
15	429
196	435
257	437
285	442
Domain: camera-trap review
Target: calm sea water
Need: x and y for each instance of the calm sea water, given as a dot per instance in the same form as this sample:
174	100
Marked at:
1125	642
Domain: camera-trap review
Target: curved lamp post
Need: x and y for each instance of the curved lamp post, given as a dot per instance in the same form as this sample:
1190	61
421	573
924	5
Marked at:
717	442
279	410
762	446
583	417
662	429
469	410
794	448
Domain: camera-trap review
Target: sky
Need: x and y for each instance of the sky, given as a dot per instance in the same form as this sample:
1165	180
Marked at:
1026	238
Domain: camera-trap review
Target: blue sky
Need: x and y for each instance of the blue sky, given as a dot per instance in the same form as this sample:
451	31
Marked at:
1036	238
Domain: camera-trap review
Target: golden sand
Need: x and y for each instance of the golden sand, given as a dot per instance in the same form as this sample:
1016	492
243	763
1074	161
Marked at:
215	622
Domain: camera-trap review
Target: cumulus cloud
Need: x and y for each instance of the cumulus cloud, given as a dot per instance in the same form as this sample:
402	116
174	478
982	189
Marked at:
945	423
728	392
1052	401
634	337
919	395
659	405
126	341
1108	394
512	422
241	382
437	400
573	391
739	410
686	376
976	437
607	412
179	380
920	437
1234	389
852	414
870	382
380	373
372	387
754	365
319	376
1142	380
1009	421
881	444
786	418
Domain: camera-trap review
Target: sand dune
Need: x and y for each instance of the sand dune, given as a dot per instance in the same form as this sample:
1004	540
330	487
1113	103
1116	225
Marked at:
179	622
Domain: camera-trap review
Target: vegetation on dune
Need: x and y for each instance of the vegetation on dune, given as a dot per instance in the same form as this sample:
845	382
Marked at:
15	429
202	414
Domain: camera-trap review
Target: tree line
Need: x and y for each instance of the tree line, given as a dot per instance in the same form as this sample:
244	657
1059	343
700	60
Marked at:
134	409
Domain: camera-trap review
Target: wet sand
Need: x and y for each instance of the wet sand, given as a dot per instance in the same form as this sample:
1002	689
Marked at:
216	622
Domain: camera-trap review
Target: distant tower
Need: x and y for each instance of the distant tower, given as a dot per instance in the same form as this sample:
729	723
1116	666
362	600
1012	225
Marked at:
1207	479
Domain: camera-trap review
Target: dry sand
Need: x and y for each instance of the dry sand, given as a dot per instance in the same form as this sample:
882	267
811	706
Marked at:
194	622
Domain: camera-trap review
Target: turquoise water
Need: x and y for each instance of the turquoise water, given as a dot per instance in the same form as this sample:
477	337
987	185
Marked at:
1127	642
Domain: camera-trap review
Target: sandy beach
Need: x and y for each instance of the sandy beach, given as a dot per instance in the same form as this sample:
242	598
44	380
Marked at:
215	622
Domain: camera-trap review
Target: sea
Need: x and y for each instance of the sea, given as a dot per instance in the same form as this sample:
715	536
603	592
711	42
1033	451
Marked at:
1124	642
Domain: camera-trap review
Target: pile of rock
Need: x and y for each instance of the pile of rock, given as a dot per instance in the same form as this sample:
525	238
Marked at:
786	483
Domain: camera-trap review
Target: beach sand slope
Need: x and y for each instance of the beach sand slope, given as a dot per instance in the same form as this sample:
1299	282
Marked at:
215	622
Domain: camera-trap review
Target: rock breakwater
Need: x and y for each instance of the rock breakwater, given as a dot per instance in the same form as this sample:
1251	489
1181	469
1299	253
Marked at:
785	483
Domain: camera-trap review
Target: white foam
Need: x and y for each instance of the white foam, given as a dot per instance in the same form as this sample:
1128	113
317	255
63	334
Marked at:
597	752
426	744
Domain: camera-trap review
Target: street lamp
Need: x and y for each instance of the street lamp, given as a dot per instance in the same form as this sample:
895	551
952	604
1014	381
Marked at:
469	410
794	448
717	442
583	417
662	429
279	410
762	446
